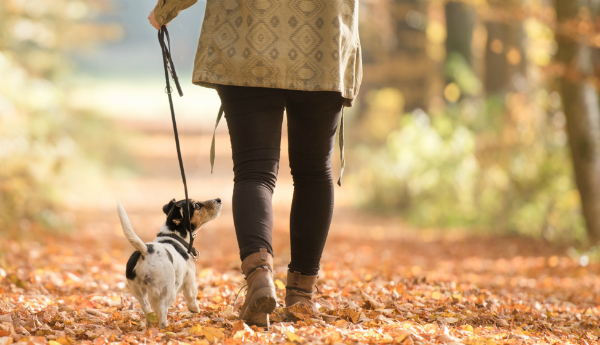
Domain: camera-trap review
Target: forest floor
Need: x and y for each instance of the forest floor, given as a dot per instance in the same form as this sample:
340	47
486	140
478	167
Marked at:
381	281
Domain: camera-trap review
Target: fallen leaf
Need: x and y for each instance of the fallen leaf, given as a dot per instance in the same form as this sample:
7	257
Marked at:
195	330
370	302
299	311
325	304
502	323
152	332
65	340
227	312
294	338
279	284
152	318
212	333
239	325
350	315
200	342
329	318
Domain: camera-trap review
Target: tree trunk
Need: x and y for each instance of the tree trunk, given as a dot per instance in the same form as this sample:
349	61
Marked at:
580	103
460	23
403	63
504	53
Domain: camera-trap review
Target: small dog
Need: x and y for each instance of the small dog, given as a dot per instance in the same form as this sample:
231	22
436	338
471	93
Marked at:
160	269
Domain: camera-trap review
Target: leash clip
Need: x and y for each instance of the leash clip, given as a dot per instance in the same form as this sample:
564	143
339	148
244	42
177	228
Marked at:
195	254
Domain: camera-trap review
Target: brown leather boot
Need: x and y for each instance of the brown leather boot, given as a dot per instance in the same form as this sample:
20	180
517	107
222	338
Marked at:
299	289
260	297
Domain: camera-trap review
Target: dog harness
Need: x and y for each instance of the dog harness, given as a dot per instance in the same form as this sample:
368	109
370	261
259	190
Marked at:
183	243
170	67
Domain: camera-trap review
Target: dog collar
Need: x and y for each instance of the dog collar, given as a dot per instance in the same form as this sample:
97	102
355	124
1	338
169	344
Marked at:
194	252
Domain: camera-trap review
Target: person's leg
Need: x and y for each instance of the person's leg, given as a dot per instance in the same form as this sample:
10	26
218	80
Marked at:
254	118
313	118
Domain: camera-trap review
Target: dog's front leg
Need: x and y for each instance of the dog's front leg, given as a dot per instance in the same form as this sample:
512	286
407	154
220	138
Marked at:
162	315
190	292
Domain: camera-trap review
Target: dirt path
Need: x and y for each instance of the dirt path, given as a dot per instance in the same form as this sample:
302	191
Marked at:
380	282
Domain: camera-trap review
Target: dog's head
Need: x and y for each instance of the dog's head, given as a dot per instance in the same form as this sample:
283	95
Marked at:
200	213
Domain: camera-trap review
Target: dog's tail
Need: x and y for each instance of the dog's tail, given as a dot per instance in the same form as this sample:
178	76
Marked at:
129	233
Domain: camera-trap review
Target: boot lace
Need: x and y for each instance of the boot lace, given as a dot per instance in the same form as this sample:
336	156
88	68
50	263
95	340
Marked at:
236	296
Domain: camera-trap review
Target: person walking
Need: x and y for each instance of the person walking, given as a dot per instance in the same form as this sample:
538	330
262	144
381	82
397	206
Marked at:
264	57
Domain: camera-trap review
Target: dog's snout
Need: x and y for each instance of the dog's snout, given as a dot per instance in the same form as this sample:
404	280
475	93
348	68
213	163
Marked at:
218	200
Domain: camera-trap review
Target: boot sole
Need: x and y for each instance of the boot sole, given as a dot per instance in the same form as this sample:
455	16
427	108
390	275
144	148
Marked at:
263	302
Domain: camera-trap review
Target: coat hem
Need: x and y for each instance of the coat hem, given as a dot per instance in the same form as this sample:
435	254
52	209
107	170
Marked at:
348	102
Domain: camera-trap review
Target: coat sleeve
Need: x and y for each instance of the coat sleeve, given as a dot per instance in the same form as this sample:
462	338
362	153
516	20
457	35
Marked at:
166	10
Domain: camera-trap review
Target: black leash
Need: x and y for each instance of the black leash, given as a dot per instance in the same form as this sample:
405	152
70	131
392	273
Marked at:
170	67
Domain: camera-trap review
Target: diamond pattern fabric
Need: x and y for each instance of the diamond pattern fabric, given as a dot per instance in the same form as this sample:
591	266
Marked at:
308	45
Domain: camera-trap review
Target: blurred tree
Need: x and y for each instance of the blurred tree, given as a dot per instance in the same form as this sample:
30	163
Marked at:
505	53
39	135
460	78
394	47
460	23
580	104
488	163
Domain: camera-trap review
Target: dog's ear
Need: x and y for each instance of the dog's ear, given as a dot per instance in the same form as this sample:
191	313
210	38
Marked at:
167	208
176	214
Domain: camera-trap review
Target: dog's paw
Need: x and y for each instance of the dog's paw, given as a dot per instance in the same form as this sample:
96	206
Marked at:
194	308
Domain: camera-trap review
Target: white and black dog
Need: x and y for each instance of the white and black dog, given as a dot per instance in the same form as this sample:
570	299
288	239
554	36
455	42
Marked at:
158	270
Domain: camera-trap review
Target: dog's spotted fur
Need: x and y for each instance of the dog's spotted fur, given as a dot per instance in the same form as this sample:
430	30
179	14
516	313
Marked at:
157	271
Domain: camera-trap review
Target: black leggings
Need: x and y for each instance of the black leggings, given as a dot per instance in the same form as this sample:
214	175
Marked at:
254	116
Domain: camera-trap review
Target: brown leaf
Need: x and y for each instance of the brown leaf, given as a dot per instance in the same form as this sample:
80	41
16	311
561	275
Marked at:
95	313
370	302
7	327
299	311
294	338
65	340
350	315
44	332
212	333
329	318
325	304
501	323
117	316
239	326
195	330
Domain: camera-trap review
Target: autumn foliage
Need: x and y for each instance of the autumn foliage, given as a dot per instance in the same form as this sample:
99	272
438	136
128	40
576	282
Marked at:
391	290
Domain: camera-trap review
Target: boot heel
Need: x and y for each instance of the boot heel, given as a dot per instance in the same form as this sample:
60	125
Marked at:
260	298
264	303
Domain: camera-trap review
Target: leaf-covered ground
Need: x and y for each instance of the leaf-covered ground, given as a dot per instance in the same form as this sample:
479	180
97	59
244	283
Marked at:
380	282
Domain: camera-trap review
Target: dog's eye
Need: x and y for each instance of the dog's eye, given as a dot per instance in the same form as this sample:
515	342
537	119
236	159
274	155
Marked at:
197	206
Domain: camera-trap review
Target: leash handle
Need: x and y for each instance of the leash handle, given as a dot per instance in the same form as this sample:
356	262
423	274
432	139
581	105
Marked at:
170	67
166	50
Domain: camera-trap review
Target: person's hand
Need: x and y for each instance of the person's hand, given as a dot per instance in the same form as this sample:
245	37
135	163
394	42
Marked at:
153	21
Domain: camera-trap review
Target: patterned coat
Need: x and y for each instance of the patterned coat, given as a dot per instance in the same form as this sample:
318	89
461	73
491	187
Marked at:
289	44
